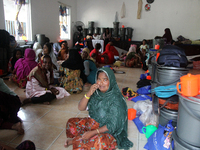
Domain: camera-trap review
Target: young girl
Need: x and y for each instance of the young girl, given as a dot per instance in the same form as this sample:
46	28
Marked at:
144	47
39	87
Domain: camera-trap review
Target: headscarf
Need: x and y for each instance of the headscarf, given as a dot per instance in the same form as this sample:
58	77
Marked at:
14	59
53	58
75	62
132	48
87	51
40	75
24	65
168	36
110	109
36	46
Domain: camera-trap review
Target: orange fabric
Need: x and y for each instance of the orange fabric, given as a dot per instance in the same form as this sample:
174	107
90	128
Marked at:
76	127
109	52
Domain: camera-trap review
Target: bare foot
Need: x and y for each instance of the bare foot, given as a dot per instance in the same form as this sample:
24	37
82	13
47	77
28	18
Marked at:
46	103
26	101
18	127
68	143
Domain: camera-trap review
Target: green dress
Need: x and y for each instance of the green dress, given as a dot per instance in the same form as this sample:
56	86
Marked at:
110	109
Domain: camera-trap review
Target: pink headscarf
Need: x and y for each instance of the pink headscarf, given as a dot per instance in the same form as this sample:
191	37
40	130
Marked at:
24	65
132	48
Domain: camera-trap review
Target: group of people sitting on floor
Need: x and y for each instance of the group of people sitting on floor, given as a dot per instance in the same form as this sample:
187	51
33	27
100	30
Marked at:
108	130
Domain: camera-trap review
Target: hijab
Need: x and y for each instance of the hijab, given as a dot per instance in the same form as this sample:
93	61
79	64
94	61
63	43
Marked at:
14	59
110	109
168	36
87	51
24	65
75	62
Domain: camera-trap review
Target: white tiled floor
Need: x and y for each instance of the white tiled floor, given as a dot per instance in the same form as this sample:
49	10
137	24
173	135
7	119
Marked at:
45	124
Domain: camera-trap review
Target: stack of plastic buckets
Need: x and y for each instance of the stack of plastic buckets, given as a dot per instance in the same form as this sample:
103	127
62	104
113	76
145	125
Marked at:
165	76
187	134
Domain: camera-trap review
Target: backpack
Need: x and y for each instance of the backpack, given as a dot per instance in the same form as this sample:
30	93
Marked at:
172	56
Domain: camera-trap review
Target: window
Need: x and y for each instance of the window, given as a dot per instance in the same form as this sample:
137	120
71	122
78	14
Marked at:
17	18
65	21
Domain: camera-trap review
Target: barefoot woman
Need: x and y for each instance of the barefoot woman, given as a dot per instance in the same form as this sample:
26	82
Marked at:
107	127
39	88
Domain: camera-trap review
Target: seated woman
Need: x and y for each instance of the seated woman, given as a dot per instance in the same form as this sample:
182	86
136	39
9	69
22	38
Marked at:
90	67
9	107
17	54
48	50
63	50
72	73
96	52
132	59
167	36
39	87
108	56
23	67
108	124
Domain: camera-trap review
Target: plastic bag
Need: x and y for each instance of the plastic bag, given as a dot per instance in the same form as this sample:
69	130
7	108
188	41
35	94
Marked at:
141	98
165	91
160	139
148	117
144	90
138	124
142	106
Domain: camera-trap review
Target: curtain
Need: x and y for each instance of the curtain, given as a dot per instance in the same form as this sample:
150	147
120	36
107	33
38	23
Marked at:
19	29
19	2
64	13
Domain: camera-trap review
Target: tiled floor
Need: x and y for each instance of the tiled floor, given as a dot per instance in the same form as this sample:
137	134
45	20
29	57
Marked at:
45	124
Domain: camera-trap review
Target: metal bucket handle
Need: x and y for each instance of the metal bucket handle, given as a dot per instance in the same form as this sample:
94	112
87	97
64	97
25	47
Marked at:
189	111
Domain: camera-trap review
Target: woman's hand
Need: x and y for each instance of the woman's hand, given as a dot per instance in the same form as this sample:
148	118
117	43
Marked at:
92	89
54	91
87	135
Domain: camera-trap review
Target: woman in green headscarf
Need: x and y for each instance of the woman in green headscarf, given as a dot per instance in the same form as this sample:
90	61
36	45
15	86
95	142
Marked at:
107	127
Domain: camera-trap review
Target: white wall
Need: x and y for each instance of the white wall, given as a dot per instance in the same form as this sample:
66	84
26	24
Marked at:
181	16
45	17
2	22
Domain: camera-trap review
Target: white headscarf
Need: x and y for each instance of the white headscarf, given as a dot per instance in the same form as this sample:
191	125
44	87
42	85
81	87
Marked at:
36	46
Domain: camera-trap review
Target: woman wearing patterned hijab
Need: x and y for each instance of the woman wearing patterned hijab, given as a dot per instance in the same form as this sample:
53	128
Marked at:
107	127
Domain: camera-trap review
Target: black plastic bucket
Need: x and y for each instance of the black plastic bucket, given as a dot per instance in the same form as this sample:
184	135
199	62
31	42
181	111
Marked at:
122	34
90	31
115	32
90	24
129	33
85	31
188	122
97	30
116	25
